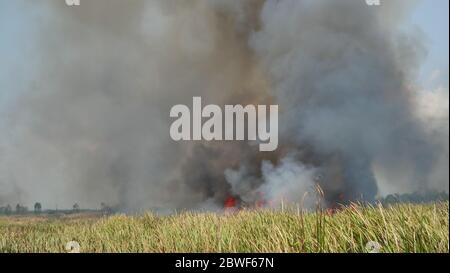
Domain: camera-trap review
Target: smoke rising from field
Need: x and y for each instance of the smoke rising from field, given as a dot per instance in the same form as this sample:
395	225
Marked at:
91	121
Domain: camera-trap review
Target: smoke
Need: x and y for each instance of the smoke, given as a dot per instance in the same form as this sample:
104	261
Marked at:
344	85
90	121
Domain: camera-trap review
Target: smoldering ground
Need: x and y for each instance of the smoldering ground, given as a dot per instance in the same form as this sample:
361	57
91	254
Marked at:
89	121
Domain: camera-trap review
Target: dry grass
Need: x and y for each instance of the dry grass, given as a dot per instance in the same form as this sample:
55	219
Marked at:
402	228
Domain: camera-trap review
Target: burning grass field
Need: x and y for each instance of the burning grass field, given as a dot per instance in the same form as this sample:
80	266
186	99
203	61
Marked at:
400	228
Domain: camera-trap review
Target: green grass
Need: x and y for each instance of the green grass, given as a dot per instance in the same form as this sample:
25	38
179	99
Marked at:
402	228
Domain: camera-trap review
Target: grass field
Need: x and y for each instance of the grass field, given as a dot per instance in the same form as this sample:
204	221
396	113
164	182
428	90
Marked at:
402	228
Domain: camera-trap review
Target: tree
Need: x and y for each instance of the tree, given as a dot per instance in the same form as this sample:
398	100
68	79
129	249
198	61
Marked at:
37	208
21	209
8	209
106	209
76	207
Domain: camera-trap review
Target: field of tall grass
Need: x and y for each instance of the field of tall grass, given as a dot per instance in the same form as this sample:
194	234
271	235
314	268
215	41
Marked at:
400	228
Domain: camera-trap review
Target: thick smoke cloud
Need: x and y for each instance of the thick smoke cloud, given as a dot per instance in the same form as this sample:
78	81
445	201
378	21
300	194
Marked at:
92	122
344	87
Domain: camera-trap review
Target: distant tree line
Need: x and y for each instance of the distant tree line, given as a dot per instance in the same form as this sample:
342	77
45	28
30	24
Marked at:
415	198
19	209
6	210
38	209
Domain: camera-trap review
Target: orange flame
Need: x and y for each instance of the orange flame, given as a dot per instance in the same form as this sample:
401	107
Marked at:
230	202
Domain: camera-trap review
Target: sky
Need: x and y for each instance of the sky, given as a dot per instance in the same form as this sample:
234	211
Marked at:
432	17
16	39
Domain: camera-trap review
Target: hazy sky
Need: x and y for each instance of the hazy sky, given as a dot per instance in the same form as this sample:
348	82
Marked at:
16	39
432	16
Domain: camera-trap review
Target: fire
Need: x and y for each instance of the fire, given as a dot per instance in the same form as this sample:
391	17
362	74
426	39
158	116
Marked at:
230	202
261	202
